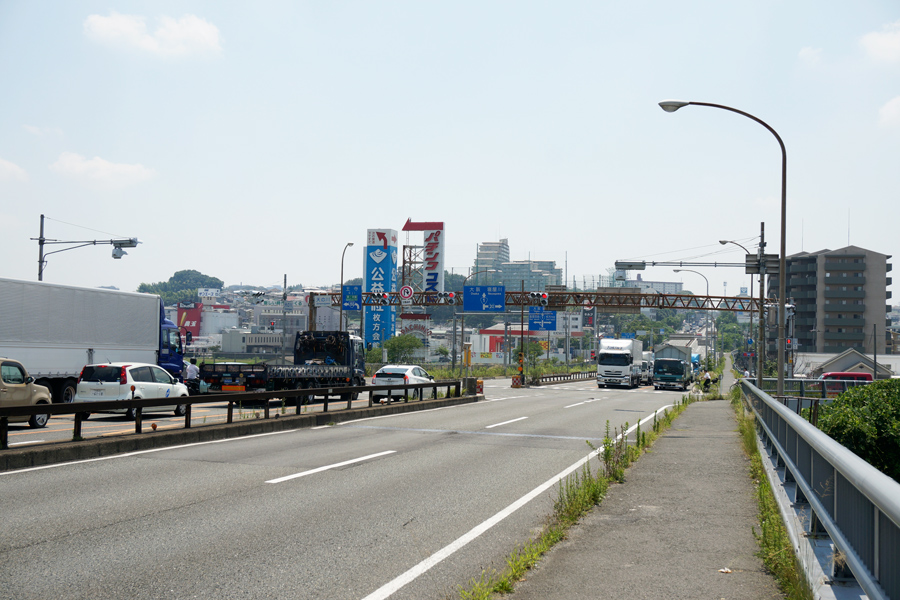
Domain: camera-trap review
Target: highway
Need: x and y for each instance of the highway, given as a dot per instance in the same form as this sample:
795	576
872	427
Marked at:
406	506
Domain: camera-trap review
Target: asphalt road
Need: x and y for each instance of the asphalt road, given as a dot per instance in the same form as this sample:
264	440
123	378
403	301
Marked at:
406	506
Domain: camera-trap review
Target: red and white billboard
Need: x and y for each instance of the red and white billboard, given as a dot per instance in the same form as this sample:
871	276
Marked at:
189	317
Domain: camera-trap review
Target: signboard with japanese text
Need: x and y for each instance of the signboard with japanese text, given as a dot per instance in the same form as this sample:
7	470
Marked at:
484	298
189	314
208	292
380	276
433	267
540	319
352	297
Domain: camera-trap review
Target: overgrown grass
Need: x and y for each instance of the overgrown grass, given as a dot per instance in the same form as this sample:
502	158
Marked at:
576	495
775	548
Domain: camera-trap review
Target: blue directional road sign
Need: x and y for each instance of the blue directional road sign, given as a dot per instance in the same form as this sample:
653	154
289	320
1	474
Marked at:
540	319
484	298
352	297
627	336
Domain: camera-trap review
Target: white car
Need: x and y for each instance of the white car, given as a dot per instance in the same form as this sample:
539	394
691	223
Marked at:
124	381
398	375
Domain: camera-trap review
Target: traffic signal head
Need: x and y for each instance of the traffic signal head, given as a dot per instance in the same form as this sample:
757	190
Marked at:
521	357
448	297
380	298
544	298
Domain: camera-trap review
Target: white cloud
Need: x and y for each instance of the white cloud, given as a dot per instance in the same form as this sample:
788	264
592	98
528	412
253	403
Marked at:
885	44
810	55
889	114
12	172
98	171
173	37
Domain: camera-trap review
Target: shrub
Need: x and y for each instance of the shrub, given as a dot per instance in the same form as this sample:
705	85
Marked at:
866	419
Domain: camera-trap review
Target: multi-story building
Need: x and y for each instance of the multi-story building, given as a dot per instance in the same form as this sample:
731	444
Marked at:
840	300
536	275
491	256
663	287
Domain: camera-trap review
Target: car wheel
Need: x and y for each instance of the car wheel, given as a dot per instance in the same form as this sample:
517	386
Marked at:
38	421
180	410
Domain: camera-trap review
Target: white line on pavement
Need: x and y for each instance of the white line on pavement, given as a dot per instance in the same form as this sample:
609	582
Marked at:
327	467
388	589
28	442
505	423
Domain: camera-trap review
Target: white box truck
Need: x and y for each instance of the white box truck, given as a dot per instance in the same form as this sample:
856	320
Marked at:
55	330
619	362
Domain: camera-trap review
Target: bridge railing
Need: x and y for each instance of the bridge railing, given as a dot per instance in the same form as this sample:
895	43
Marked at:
811	388
857	505
302	397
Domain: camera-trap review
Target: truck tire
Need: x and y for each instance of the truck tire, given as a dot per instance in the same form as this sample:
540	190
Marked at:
38	421
65	392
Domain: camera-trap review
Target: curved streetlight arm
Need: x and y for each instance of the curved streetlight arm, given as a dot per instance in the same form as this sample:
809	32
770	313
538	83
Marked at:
341	315
672	106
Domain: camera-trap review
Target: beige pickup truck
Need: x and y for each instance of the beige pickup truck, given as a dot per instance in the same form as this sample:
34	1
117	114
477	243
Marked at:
17	388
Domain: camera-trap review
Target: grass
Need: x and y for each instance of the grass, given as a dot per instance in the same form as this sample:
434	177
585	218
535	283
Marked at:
576	495
775	547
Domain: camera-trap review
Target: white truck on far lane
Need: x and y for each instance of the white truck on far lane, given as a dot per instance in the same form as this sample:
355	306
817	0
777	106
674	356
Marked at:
619	362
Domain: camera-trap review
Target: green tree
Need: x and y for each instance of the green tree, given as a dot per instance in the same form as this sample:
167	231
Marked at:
181	287
400	348
866	419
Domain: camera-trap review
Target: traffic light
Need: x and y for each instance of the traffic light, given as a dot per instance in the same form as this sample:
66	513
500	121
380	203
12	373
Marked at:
535	297
380	298
447	297
521	360
544	298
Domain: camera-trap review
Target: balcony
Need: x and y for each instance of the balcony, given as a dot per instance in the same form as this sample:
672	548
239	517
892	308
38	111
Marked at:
844	294
843	322
850	337
844	280
836	266
846	308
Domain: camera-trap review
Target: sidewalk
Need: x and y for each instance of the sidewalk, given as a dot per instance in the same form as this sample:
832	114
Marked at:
686	510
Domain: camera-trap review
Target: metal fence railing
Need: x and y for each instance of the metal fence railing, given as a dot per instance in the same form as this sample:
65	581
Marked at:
811	388
568	376
301	397
855	504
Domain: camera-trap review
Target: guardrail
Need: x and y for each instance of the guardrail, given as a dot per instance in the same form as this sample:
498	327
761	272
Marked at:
857	505
344	394
811	388
569	376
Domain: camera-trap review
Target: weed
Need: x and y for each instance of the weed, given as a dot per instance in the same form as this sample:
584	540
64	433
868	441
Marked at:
775	547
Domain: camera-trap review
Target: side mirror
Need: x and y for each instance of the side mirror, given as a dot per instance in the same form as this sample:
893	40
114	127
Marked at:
188	338
29	379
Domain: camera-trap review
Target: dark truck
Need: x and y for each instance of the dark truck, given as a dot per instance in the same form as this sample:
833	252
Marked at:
671	373
321	359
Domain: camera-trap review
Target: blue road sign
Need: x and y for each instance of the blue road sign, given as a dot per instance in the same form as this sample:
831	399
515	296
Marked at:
484	298
540	319
352	297
627	336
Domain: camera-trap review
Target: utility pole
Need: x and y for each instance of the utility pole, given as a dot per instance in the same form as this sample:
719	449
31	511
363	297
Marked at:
761	340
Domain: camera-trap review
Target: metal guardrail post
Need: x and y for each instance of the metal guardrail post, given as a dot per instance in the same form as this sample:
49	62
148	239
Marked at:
4	433
76	428
138	419
230	417
187	417
325	402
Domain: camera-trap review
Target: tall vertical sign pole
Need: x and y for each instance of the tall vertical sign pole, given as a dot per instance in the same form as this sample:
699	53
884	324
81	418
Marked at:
380	277
761	339
522	326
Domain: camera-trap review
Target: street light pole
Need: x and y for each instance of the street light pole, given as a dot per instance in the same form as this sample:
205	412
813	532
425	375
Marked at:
723	242
707	312
118	247
672	106
341	317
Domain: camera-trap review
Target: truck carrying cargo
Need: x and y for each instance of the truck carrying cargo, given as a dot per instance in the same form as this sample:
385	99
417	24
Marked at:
321	359
619	362
646	367
58	329
671	373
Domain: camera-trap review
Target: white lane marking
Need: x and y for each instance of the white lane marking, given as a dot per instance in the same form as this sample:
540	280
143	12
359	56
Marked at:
412	574
138	452
576	404
327	467
29	442
505	423
504	398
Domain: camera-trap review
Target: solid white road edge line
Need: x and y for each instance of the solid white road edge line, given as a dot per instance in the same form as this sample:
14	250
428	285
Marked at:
28	442
412	574
327	467
505	423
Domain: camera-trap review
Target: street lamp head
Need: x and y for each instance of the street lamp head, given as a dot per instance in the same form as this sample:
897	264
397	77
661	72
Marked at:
723	242
672	105
349	243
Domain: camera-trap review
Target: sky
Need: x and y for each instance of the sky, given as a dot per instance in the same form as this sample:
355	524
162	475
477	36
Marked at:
250	141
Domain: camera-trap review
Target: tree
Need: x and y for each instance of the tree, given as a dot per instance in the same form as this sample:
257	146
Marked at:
181	287
866	420
400	348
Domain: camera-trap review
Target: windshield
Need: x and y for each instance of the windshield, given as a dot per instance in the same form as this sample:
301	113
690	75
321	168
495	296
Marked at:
667	367
614	360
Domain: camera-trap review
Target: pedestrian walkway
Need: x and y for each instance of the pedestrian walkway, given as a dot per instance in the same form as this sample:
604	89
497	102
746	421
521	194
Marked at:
685	513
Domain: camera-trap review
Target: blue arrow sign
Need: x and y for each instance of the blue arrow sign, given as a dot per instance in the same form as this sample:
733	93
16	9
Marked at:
540	319
352	297
484	298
